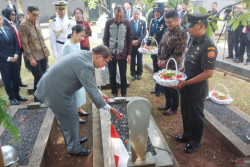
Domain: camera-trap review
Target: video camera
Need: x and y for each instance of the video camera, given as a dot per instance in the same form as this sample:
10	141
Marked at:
227	12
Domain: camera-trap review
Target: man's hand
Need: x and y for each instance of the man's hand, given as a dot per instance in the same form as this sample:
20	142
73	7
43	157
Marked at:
128	58
12	60
115	113
16	56
33	63
105	97
180	85
136	43
161	64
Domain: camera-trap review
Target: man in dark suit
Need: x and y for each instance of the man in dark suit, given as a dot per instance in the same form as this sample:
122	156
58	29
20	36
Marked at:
9	51
245	43
128	10
9	16
138	29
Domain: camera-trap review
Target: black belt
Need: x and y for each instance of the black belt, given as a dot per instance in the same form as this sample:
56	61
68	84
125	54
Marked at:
60	42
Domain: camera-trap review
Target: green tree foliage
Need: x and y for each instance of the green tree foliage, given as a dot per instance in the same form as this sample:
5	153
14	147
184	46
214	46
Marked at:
6	119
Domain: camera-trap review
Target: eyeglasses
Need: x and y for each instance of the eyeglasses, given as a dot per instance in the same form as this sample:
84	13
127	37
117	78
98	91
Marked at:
35	15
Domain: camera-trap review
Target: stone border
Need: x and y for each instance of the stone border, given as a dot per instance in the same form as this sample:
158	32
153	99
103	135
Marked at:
162	159
37	155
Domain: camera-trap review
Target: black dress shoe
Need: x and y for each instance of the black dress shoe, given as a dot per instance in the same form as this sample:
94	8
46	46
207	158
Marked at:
191	148
83	114
169	112
238	61
162	108
82	140
158	93
20	98
124	94
22	85
229	57
14	101
181	139
82	121
114	95
139	77
154	91
82	153
133	78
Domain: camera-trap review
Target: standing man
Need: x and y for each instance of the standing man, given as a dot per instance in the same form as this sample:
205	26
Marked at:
59	28
9	51
128	10
172	45
198	66
184	13
118	38
9	17
138	29
245	43
156	30
77	70
33	44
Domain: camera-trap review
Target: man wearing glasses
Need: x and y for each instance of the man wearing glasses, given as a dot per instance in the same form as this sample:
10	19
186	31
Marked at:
33	44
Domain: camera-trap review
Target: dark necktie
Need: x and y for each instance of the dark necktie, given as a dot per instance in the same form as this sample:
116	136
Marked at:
17	34
4	35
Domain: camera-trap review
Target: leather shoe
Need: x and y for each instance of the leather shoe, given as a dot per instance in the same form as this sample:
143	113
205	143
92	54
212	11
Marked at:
82	121
153	91
169	112
82	140
162	108
158	93
20	98
124	94
82	153
229	57
82	112
247	63
14	101
22	85
181	139
133	78
238	61
114	95
191	148
139	77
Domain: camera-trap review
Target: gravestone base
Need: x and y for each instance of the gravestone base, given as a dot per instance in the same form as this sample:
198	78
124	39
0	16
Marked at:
148	162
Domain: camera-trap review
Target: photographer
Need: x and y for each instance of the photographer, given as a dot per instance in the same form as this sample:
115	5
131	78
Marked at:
228	16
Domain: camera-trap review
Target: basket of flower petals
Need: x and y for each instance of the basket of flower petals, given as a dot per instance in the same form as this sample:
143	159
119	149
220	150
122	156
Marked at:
169	78
150	50
219	97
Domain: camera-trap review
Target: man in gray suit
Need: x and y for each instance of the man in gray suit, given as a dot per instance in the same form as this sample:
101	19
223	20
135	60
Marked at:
57	90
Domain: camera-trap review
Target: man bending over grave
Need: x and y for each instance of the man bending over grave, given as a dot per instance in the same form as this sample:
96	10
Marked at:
57	90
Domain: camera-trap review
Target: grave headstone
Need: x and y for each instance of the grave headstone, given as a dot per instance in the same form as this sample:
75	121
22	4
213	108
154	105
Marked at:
139	111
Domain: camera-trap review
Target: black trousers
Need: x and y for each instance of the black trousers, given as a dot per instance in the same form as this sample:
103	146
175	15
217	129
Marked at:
9	72
136	55
230	44
39	70
156	68
85	48
19	64
112	75
172	98
193	118
244	43
236	42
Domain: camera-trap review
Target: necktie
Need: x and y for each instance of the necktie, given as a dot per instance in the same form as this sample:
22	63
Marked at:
4	35
136	26
17	34
245	30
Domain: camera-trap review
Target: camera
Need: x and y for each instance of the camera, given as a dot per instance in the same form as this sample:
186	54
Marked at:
228	10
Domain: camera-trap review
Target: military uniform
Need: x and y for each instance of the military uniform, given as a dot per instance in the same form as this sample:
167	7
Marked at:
201	55
59	29
156	30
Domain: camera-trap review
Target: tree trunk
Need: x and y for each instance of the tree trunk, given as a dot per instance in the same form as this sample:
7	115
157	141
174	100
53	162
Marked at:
1	157
19	6
186	1
86	12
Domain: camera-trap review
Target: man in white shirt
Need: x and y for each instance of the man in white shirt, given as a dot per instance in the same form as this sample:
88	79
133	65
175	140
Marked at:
59	28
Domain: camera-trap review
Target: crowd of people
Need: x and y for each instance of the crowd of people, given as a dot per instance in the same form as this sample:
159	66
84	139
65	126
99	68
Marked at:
62	86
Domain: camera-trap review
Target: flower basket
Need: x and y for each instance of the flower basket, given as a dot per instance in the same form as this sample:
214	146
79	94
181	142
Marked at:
169	78
150	50
218	97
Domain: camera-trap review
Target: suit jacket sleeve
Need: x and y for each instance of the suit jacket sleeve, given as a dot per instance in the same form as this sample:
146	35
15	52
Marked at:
144	31
129	39
106	34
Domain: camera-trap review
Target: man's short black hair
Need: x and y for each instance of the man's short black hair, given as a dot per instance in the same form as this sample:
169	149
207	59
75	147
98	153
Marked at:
215	3
118	8
171	14
102	50
32	8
